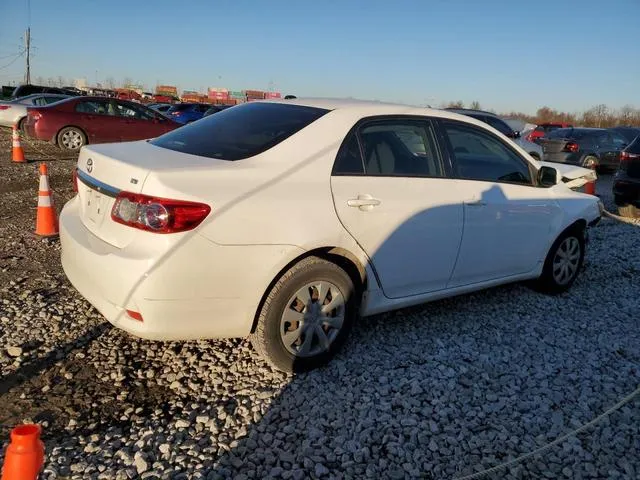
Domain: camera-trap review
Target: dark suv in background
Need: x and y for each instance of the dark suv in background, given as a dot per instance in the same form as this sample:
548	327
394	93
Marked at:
27	89
626	183
586	147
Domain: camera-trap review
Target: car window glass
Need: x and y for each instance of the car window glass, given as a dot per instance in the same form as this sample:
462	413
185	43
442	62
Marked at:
601	138
481	156
240	132
618	140
40	101
498	125
349	159
49	100
95	107
130	111
400	148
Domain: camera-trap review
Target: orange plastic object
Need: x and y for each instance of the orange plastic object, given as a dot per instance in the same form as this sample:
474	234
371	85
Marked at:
46	220
25	454
17	153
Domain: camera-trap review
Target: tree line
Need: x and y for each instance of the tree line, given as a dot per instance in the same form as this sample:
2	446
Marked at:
600	116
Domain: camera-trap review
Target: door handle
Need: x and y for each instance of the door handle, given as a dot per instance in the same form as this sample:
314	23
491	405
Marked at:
363	202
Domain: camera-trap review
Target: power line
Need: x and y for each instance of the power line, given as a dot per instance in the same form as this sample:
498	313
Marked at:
12	61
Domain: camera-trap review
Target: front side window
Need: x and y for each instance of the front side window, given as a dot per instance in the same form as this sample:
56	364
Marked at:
240	132
400	148
481	156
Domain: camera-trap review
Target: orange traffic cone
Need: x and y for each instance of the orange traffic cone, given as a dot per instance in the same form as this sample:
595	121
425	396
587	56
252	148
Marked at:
25	454
17	153
590	187
46	221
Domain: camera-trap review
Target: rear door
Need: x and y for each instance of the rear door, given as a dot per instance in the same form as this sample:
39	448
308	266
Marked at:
392	193
98	120
507	219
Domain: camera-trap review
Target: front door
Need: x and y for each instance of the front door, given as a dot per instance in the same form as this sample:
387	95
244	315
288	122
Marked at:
507	218
392	194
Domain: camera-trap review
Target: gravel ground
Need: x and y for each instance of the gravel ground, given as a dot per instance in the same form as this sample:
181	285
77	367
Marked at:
438	391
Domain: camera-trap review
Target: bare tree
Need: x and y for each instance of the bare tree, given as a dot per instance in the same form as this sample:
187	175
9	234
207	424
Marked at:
51	82
40	80
457	104
110	83
475	105
127	81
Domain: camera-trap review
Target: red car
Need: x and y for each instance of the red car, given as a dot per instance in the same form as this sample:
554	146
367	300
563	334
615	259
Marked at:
544	128
75	122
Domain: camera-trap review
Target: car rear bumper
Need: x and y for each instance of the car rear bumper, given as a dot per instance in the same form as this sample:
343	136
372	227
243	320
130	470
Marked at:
115	280
626	190
185	287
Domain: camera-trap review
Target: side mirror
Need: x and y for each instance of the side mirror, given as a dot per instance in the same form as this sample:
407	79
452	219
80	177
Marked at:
547	176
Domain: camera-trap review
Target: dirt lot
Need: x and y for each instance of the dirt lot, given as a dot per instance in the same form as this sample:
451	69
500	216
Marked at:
439	391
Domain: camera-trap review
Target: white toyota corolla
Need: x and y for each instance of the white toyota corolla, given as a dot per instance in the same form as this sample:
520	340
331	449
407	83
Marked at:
285	220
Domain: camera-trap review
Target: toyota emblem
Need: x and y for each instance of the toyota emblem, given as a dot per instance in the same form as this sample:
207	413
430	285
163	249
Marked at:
89	165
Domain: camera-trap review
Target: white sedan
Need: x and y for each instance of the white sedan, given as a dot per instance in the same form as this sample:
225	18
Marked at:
15	111
286	220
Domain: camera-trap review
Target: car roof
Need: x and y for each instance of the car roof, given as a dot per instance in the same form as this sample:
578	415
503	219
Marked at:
370	107
470	110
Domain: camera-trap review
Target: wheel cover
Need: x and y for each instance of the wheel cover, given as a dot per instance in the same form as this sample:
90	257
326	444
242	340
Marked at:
566	260
312	319
72	139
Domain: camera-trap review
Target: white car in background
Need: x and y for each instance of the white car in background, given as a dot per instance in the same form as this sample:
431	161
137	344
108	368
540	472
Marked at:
15	111
285	220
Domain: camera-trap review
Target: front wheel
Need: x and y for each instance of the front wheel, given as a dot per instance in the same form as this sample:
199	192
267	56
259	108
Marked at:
563	262
306	316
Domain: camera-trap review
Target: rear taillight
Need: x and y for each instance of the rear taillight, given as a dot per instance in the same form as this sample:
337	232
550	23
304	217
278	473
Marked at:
135	315
158	215
627	157
5	107
571	147
74	176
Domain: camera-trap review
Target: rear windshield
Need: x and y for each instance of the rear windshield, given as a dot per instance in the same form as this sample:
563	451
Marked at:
240	132
571	133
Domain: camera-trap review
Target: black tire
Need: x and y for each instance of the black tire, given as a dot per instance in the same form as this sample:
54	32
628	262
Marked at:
591	158
629	211
65	143
21	124
267	338
548	282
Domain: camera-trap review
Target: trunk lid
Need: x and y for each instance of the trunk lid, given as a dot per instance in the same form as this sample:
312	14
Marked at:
105	170
552	145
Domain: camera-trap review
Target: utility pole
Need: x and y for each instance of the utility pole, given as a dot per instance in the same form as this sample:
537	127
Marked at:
27	41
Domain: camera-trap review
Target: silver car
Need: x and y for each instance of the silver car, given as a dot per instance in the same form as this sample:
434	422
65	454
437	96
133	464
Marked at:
15	111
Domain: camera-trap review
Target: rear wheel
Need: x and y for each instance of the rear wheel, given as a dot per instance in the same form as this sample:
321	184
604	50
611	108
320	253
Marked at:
563	263
71	139
21	124
306	316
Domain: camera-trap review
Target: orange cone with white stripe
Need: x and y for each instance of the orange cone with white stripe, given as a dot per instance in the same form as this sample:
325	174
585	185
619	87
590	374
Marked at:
46	221
17	153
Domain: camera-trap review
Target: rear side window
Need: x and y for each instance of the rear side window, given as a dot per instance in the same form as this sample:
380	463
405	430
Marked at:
98	108
499	125
405	148
240	132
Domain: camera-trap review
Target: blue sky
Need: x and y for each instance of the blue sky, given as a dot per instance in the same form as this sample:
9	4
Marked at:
508	55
